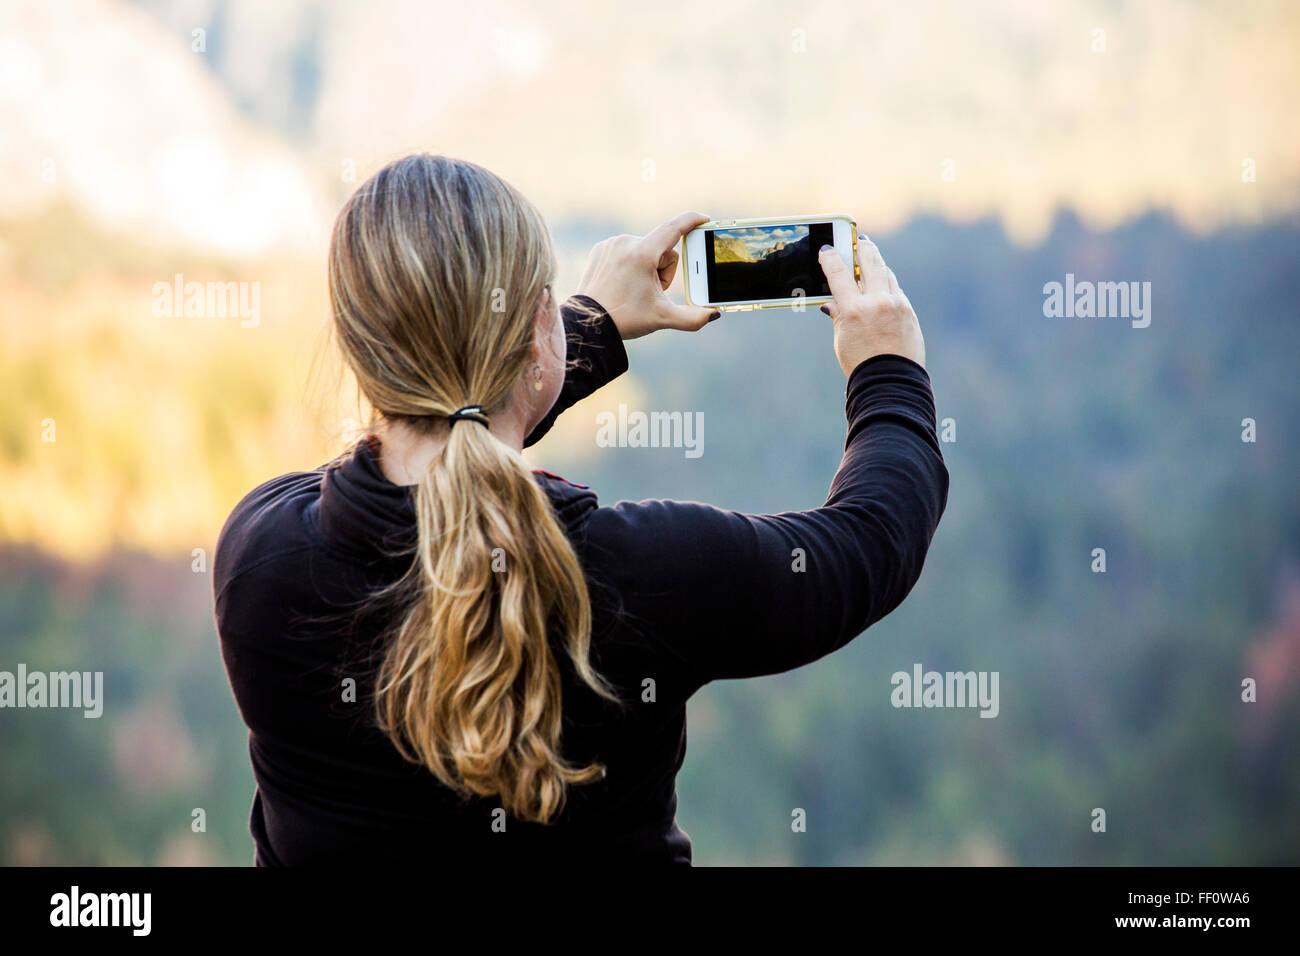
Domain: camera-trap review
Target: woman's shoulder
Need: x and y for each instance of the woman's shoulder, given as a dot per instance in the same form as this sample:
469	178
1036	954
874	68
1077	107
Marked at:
626	526
270	522
573	503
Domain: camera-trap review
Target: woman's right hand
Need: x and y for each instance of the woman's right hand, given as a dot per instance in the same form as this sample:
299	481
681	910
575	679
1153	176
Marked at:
629	276
874	319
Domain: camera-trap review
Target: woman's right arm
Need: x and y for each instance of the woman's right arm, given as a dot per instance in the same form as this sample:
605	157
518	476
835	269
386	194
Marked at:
727	594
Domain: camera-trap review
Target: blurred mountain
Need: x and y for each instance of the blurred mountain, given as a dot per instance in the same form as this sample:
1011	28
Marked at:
106	109
238	125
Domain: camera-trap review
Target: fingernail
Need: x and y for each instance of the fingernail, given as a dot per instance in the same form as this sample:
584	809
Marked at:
825	249
824	309
716	315
862	235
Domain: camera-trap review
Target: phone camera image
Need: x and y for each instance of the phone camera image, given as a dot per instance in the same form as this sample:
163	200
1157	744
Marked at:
753	263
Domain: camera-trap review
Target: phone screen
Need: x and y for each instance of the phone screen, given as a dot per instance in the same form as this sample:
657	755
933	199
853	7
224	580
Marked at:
751	263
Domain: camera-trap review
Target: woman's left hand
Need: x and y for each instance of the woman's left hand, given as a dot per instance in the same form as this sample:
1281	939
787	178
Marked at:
629	276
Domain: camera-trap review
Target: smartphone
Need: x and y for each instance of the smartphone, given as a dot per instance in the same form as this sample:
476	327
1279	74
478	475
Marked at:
742	264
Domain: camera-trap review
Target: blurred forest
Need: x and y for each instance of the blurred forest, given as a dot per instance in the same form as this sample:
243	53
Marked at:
1119	690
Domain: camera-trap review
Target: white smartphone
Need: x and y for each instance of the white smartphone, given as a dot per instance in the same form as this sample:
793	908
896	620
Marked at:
742	264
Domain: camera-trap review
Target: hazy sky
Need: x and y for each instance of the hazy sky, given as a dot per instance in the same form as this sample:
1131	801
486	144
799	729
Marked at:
878	110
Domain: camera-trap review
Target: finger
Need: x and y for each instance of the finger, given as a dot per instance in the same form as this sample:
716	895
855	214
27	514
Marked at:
838	275
687	318
875	274
666	266
831	309
667	235
893	282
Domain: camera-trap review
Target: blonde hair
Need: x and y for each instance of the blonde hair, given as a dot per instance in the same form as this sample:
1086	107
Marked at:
436	271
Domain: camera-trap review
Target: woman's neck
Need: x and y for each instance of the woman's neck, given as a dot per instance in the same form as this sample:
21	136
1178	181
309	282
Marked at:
405	454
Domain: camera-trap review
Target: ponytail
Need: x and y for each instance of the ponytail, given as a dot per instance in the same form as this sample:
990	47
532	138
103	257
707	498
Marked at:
470	686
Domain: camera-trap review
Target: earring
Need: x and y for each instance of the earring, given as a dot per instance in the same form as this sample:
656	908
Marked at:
537	382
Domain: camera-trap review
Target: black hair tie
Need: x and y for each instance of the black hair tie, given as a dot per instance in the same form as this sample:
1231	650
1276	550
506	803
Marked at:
472	412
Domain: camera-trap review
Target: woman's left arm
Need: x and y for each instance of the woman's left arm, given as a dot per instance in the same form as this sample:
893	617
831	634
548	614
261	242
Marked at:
622	295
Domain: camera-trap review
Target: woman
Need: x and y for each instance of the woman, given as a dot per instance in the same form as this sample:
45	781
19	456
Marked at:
440	651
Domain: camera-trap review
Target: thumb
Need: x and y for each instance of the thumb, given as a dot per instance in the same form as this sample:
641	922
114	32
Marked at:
838	276
688	318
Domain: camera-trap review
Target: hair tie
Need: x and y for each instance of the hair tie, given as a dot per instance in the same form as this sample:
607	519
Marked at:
472	412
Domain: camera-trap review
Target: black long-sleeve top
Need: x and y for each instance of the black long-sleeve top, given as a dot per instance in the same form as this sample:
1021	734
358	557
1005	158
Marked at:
683	594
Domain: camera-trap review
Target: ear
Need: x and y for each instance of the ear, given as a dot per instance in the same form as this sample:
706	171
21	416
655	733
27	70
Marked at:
542	324
543	306
539	331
